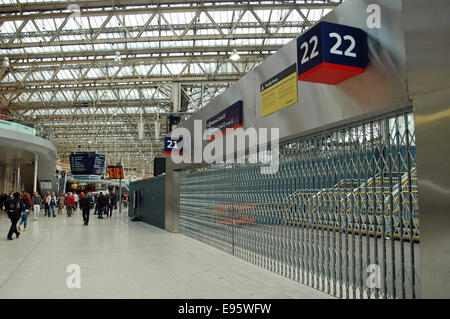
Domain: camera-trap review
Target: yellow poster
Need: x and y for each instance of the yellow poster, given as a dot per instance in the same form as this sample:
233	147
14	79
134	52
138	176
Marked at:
280	91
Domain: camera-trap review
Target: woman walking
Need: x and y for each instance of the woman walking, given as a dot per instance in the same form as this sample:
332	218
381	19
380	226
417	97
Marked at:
46	205
37	202
70	203
51	201
61	199
26	199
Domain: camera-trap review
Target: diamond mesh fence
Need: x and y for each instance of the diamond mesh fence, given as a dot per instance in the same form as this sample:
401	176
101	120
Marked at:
340	215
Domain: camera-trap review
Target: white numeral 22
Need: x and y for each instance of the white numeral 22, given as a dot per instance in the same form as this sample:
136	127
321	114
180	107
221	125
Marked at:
348	52
314	51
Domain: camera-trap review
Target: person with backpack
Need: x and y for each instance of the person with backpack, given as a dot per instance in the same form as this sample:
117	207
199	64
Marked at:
14	209
51	201
26	199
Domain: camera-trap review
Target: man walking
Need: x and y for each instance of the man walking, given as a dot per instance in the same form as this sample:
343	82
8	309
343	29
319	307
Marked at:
101	203
85	205
111	203
14	208
37	202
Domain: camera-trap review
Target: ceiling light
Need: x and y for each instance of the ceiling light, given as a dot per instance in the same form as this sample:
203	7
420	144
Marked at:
235	56
117	58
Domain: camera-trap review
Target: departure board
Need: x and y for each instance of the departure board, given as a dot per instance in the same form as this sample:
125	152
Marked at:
115	172
88	163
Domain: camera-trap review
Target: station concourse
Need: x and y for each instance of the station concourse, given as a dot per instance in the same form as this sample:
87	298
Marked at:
224	150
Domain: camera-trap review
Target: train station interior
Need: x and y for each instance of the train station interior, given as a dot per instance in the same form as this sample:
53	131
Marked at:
224	149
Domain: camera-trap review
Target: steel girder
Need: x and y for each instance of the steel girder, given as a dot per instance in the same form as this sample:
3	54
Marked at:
66	78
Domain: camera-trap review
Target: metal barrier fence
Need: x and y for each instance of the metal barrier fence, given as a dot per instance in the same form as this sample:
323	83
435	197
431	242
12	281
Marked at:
147	200
341	214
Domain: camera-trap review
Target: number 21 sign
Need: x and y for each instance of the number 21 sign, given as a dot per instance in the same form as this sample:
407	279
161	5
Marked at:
172	145
330	53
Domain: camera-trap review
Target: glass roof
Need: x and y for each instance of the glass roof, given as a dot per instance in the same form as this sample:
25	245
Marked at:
68	66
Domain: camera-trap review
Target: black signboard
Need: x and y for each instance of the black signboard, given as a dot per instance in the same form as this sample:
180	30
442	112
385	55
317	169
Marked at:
227	120
87	163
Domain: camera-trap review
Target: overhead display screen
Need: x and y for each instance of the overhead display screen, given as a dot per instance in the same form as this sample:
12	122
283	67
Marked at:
87	163
115	172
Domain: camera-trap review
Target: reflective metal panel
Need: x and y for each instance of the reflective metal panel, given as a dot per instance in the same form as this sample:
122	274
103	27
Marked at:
427	29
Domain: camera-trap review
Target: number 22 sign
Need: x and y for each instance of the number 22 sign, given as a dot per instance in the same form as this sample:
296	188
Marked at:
330	53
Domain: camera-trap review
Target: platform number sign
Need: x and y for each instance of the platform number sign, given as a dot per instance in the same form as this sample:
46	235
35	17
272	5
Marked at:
173	145
330	53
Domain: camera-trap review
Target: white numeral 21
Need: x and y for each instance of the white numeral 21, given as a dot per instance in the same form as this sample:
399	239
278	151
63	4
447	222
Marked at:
348	52
172	144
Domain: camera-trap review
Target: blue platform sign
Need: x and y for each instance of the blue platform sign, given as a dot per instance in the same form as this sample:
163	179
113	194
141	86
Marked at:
173	145
330	53
227	120
89	163
99	164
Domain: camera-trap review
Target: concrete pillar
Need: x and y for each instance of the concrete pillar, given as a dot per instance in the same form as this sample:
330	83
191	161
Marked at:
176	96
17	181
172	219
35	177
426	27
5	179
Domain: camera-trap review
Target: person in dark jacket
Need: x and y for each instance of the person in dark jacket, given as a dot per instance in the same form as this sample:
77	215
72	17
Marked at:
101	203
3	199
95	203
15	207
85	205
111	203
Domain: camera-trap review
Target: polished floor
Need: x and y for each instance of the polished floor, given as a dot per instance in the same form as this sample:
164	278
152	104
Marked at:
118	258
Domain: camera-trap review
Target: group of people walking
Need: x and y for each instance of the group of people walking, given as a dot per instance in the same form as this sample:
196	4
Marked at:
18	207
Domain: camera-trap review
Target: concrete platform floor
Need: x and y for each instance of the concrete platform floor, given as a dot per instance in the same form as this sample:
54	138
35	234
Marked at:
123	259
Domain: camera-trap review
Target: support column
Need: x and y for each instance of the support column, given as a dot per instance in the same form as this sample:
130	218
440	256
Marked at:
426	25
172	219
17	181
35	173
120	190
5	179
